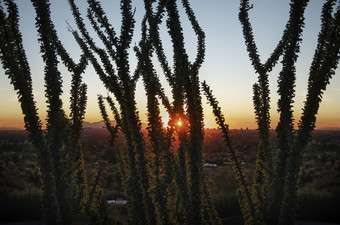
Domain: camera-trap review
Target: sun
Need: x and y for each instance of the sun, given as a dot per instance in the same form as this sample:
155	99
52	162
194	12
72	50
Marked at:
177	122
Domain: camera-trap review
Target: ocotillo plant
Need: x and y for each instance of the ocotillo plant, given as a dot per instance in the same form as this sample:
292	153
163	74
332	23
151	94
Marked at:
162	161
148	176
78	103
14	61
185	92
61	157
141	207
261	95
274	197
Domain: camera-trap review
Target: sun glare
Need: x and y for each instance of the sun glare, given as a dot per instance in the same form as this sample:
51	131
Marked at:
166	120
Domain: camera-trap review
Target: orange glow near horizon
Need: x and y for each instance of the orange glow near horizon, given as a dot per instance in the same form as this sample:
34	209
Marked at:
14	120
322	124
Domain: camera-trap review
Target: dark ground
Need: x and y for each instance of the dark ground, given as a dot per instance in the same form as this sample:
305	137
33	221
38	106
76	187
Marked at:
226	221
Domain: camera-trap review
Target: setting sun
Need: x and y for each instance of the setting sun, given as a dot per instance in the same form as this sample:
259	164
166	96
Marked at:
179	123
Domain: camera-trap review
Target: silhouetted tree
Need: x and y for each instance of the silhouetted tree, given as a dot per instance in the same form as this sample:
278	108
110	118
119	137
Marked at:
141	208
148	174
14	61
61	156
274	188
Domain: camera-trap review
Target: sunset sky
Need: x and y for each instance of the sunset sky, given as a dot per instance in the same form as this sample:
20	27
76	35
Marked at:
226	69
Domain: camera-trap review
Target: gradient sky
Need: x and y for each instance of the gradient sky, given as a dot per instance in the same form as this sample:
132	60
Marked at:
226	68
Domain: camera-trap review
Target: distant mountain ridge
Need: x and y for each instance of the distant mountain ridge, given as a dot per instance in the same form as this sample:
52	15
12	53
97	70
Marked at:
101	125
96	125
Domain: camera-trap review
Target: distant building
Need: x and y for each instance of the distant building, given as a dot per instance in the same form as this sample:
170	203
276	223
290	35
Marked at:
117	202
209	165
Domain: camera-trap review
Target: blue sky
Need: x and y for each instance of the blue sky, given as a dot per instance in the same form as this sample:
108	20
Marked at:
226	68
